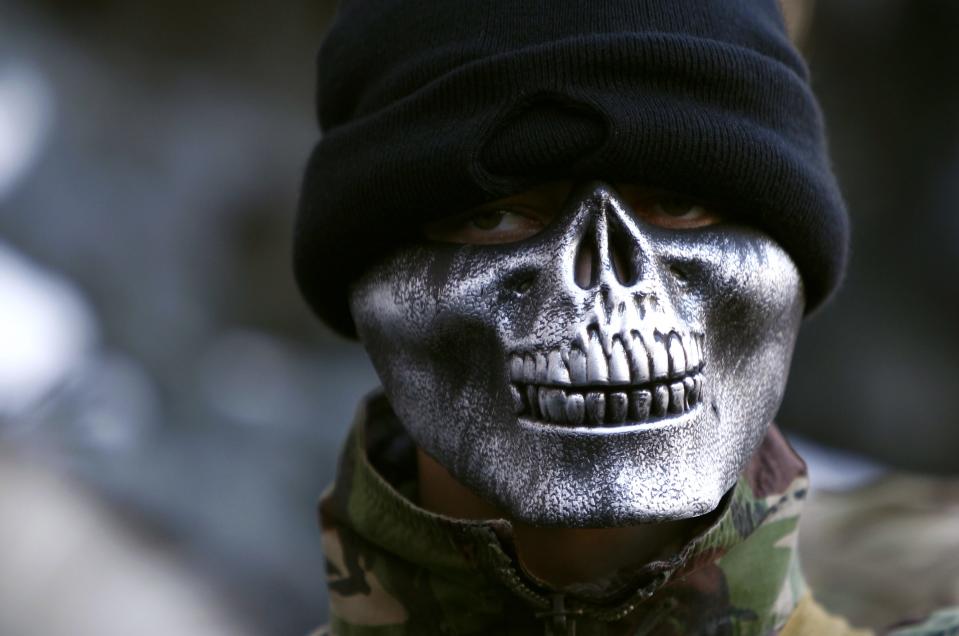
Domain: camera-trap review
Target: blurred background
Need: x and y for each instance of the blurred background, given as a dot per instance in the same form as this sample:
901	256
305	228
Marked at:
170	412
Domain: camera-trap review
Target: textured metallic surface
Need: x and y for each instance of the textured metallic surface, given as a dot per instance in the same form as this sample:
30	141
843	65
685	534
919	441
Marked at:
636	394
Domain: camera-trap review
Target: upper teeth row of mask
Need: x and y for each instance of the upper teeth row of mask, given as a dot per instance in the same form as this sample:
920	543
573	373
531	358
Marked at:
632	359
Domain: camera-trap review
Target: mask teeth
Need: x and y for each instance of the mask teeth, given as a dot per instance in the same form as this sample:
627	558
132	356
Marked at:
638	360
637	380
542	372
631	359
609	405
618	364
677	356
692	350
658	356
577	366
597	366
557	371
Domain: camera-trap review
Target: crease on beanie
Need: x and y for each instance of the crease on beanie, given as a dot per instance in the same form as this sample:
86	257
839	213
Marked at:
539	136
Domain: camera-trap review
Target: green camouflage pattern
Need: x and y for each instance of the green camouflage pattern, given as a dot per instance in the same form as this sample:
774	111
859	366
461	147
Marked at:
942	623
395	569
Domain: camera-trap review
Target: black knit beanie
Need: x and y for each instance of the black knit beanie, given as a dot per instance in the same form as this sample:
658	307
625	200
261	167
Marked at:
431	107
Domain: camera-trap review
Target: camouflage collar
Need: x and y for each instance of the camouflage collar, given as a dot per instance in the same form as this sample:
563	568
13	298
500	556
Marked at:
395	568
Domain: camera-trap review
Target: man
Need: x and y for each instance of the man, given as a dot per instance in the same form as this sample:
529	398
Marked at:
577	240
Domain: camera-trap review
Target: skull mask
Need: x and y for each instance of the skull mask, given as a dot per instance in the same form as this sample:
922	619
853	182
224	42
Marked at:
603	372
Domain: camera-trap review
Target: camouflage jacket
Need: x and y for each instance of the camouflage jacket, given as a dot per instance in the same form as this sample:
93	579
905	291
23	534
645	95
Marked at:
396	569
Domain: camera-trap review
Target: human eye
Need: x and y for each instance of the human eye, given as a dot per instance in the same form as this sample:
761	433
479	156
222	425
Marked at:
671	211
487	226
680	213
505	220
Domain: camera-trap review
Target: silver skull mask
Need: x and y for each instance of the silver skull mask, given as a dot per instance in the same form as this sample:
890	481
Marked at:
635	392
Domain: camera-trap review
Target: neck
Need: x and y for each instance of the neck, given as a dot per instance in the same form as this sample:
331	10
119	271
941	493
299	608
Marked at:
558	556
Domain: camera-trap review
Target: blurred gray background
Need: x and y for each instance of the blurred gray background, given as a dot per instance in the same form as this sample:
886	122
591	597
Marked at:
169	410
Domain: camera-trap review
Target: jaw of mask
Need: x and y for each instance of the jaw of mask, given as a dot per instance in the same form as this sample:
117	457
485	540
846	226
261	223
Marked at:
604	372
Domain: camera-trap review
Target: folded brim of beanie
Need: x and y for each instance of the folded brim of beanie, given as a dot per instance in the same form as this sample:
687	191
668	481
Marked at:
718	121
